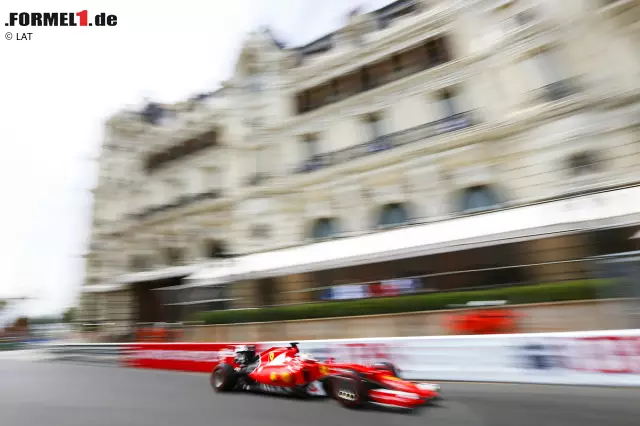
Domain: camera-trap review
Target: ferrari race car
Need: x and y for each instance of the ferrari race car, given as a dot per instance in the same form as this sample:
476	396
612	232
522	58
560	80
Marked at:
286	371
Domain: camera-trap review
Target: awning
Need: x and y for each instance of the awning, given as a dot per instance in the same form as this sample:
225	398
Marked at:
607	209
217	273
159	274
103	288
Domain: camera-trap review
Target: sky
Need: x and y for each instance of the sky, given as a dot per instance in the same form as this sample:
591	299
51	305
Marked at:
58	89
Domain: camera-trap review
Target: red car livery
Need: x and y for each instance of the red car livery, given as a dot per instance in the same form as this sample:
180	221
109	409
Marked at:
284	370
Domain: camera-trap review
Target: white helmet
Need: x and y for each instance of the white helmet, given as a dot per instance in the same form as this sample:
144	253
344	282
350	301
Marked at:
241	349
306	357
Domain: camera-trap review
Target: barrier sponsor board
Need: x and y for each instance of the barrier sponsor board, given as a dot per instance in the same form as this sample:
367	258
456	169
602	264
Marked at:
595	358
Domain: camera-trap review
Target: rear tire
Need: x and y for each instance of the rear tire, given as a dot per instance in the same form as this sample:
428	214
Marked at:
223	378
349	390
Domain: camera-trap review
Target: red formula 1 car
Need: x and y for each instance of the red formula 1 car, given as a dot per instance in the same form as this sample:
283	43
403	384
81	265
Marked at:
284	370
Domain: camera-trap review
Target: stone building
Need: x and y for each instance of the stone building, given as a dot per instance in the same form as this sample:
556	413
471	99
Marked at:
417	112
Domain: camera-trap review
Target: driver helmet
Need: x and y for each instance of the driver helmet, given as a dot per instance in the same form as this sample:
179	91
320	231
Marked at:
243	353
306	357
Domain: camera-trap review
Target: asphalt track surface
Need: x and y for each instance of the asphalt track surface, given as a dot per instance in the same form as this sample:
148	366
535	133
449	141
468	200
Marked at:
62	394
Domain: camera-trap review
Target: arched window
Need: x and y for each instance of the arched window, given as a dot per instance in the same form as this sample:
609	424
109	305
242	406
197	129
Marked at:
324	228
582	163
393	215
479	198
138	263
215	249
260	231
173	256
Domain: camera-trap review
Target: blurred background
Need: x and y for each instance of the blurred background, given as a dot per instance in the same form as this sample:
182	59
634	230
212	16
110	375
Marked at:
446	186
406	168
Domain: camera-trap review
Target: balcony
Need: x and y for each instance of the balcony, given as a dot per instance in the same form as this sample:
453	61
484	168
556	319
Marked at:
182	201
418	58
184	149
388	142
558	90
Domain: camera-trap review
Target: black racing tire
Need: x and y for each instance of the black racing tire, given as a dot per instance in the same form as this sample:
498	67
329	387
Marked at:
349	390
387	366
223	378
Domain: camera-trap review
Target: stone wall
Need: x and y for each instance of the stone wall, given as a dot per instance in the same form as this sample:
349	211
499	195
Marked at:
544	317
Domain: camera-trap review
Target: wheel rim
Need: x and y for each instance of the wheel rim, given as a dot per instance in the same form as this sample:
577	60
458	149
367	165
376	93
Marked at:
347	391
347	395
218	378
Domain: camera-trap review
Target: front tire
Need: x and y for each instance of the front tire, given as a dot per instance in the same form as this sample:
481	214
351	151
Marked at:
223	378
349	390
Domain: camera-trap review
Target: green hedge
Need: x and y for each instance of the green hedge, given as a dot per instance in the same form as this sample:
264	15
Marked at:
11	346
551	292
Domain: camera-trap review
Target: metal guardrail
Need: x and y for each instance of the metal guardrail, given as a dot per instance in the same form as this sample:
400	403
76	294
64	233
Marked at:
102	353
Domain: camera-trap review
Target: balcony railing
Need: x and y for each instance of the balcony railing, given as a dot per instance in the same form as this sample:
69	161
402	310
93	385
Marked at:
180	202
388	142
258	179
558	90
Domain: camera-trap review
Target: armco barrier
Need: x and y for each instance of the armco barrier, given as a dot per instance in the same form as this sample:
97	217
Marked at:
106	353
593	358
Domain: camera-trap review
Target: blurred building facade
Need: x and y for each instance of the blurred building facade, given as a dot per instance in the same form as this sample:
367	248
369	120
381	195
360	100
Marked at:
419	111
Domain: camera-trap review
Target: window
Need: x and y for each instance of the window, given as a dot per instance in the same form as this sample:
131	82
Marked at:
334	93
525	17
138	263
397	63
438	51
479	198
215	249
303	102
260	231
173	256
541	69
157	160
383	71
548	65
324	228
582	163
366	80
373	123
393	215
546	76
256	84
311	145
447	103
